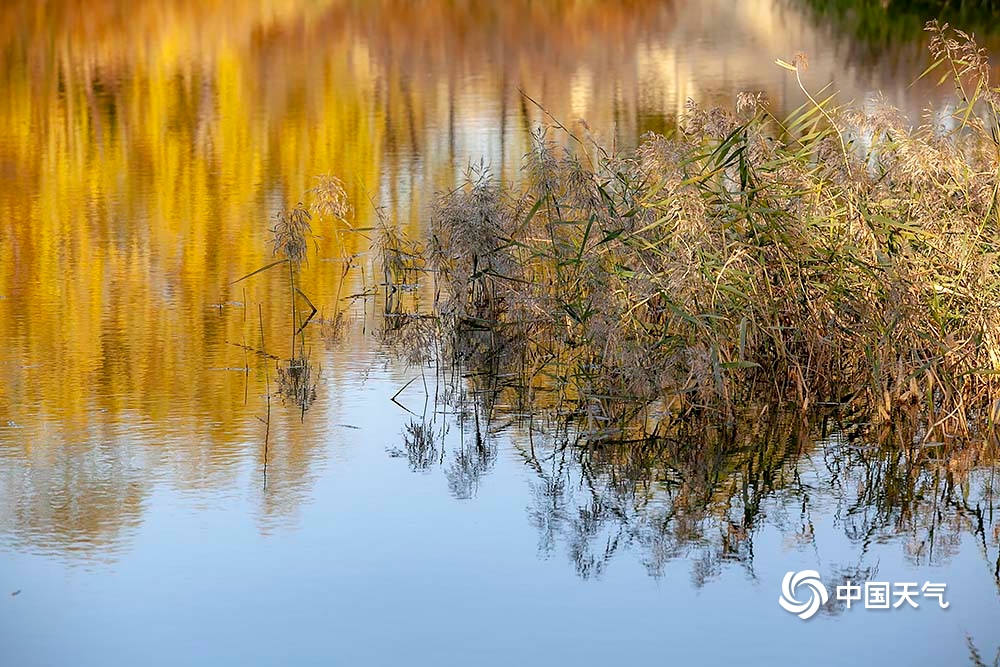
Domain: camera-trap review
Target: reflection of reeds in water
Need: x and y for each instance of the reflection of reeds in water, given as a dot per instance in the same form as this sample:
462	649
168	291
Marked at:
976	658
700	497
297	381
420	446
423	447
332	328
469	465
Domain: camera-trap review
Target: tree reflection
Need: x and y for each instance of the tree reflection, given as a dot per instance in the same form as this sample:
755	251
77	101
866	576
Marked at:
875	23
71	498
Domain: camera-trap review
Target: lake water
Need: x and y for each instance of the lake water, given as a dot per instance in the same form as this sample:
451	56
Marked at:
160	503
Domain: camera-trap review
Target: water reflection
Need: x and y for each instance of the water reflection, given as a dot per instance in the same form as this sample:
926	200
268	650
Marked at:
869	27
689	499
709	501
420	446
469	464
72	498
144	149
143	161
700	497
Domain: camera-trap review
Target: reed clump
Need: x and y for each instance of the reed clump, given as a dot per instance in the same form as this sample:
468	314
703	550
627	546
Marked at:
290	237
831	257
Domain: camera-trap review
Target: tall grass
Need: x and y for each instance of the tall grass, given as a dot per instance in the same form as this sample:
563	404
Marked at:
290	236
833	257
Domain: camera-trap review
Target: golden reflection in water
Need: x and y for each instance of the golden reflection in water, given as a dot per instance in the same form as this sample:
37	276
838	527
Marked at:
145	146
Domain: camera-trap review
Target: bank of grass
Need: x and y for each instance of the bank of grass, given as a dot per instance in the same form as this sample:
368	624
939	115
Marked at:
747	261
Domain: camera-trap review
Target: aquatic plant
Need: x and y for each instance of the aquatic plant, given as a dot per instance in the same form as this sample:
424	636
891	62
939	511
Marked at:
290	235
832	257
332	202
331	199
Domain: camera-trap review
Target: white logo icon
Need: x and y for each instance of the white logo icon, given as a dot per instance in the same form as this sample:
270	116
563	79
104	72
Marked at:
817	593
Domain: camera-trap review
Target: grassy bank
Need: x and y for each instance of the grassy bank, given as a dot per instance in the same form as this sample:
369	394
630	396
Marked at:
832	258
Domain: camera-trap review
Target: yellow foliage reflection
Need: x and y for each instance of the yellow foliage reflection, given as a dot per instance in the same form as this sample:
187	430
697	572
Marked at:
144	148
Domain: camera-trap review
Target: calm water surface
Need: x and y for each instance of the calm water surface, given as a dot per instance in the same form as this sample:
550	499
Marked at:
149	516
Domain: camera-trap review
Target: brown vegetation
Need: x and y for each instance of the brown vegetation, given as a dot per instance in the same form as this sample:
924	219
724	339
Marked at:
830	258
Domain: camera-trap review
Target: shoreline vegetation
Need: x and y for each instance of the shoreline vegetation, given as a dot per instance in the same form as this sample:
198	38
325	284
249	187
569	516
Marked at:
875	22
836	260
745	261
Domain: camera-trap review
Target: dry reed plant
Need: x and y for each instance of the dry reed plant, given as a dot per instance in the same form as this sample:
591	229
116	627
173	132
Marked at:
833	257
